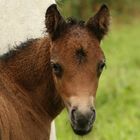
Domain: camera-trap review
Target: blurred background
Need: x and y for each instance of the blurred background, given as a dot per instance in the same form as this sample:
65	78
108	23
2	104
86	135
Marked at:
118	95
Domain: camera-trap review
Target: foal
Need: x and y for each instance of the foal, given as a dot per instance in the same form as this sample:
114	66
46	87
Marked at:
42	76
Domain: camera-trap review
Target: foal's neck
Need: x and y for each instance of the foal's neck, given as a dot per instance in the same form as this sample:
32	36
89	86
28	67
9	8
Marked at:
30	68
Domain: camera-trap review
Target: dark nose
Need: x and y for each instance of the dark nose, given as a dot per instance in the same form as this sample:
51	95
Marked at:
82	122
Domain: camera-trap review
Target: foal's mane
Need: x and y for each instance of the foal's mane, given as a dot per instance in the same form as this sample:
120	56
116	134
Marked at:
15	49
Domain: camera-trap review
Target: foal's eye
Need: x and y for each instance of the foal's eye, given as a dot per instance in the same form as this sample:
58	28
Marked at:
101	66
57	69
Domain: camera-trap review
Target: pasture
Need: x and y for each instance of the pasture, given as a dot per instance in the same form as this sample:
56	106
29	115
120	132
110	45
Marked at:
118	97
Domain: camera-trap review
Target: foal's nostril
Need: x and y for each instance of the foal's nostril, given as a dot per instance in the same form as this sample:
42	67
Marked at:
73	111
93	114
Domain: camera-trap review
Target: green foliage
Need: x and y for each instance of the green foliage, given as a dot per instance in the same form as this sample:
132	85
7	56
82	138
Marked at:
83	9
76	8
118	98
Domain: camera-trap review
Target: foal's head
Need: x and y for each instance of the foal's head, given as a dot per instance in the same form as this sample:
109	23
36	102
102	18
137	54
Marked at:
77	63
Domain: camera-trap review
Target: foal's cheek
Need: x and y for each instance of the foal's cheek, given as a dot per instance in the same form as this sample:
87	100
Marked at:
95	87
60	87
57	81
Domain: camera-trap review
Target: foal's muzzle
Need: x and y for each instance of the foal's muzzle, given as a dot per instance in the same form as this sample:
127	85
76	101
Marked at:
82	122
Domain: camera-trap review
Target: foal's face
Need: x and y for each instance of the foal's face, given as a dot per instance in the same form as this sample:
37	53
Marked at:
77	62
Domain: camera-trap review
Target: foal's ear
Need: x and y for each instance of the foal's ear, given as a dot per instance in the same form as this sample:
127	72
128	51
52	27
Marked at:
54	21
99	24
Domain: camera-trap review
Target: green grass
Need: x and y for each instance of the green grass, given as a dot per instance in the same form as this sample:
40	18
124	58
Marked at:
118	97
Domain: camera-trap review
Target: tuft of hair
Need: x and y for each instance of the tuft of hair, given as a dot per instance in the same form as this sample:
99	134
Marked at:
15	50
80	55
72	21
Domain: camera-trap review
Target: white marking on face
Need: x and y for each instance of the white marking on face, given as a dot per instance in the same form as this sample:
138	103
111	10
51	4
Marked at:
83	103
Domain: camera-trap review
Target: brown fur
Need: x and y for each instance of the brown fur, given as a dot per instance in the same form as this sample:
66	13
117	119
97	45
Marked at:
31	96
25	109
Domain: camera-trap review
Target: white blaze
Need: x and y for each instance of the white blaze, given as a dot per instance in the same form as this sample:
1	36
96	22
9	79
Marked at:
82	102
